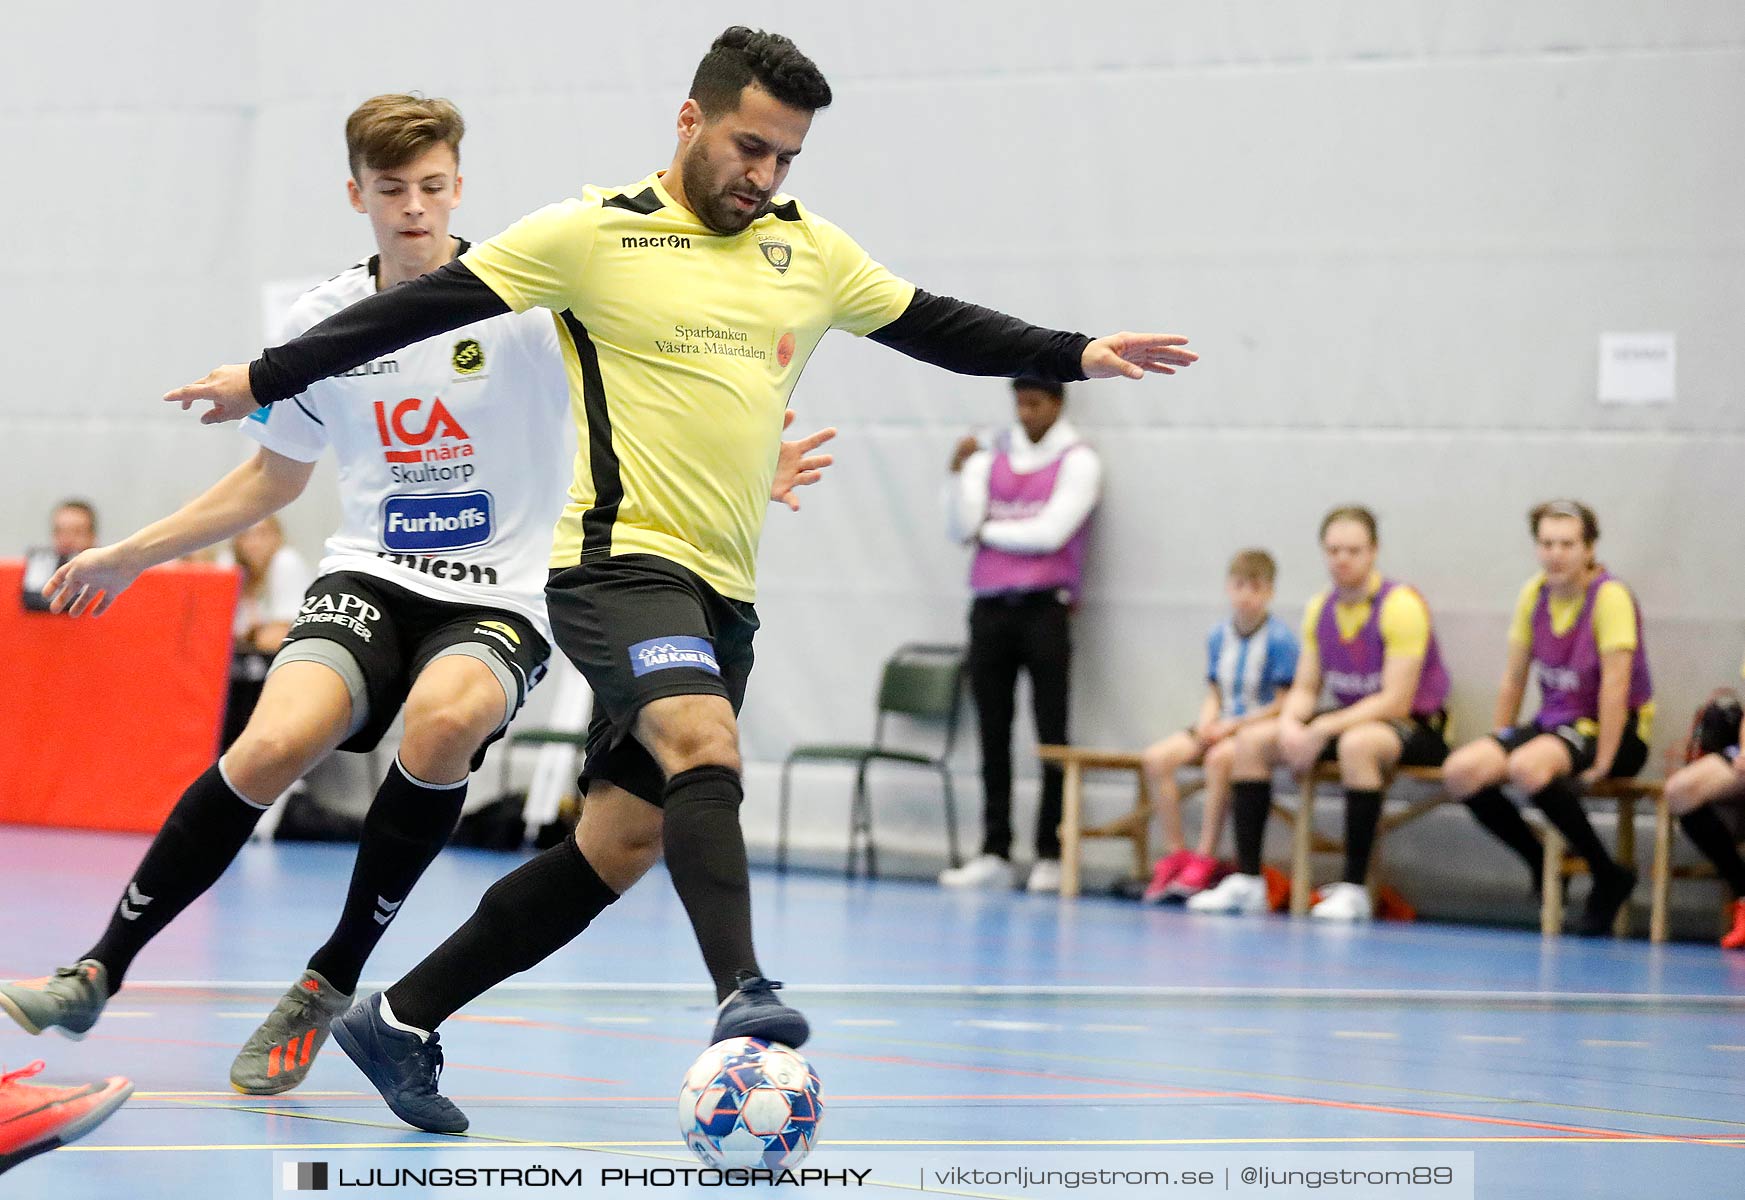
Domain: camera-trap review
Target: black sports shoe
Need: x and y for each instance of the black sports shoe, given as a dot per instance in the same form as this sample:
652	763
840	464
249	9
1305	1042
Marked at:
403	1068
1607	896
753	1011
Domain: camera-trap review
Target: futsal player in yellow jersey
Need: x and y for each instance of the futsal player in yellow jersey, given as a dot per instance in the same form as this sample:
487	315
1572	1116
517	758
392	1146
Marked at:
687	305
1577	631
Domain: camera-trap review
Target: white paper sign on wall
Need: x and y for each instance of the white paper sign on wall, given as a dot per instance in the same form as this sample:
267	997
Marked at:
1638	368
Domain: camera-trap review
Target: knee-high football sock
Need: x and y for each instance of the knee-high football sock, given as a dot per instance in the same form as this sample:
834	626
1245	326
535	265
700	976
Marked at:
409	823
1250	805
1561	804
524	918
1362	815
1493	810
705	852
1710	835
201	836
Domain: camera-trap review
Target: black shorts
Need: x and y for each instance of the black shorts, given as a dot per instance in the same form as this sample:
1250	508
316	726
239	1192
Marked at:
639	628
1583	748
393	634
1423	742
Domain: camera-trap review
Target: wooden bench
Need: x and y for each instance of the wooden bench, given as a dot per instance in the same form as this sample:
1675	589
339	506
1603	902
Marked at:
1135	825
1664	872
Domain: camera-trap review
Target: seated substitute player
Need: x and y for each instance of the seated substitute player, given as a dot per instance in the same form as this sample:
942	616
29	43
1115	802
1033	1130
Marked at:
1251	657
1578	631
688	303
1708	794
1369	641
430	597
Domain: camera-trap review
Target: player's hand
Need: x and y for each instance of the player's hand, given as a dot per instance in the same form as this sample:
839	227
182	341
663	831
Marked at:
1594	774
960	453
1300	745
1217	731
797	466
89	582
226	387
1133	354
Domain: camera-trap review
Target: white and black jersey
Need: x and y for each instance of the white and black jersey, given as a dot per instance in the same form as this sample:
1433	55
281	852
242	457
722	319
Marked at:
454	453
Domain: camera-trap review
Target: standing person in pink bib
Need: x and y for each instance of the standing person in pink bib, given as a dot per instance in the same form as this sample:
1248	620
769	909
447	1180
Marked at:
1578	631
1368	641
1026	502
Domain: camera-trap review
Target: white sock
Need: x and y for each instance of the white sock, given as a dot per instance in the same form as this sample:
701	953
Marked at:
388	1017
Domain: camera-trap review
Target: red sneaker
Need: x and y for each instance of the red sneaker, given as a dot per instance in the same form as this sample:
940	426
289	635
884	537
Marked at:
1735	938
1167	868
35	1119
1203	871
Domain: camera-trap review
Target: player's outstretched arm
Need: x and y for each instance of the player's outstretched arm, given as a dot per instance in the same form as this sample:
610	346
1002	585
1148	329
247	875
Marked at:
797	466
90	582
447	298
972	340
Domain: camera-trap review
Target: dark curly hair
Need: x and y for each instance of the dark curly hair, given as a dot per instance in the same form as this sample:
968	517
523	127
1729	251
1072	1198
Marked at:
742	56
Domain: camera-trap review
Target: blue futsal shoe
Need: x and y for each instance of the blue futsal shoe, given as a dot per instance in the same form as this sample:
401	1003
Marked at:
753	1011
403	1067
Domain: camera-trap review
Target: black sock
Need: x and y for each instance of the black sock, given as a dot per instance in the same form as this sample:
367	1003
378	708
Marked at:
524	918
705	852
1362	815
202	834
409	823
1561	805
1493	810
1250	805
1710	834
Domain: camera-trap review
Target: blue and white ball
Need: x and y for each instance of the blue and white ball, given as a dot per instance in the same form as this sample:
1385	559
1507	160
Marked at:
750	1103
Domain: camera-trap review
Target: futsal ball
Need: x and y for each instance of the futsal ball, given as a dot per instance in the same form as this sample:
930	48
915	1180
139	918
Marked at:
750	1103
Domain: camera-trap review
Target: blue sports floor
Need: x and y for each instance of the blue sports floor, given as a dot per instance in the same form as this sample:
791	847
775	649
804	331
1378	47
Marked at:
941	1021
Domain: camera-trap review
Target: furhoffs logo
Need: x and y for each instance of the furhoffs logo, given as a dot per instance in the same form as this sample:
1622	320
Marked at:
779	254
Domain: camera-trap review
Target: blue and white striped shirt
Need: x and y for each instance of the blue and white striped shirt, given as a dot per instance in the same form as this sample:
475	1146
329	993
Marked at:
1249	671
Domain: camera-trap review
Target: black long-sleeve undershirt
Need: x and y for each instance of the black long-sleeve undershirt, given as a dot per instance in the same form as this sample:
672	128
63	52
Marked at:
972	340
444	299
961	337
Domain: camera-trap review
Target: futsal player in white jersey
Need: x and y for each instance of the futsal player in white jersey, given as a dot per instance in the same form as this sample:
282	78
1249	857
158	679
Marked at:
430	597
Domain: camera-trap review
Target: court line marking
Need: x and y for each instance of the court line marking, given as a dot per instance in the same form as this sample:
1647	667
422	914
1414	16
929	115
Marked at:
1145	992
1469	1097
1614	1042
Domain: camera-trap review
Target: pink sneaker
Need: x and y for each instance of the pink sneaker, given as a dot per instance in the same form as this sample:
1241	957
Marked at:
1201	872
1168	867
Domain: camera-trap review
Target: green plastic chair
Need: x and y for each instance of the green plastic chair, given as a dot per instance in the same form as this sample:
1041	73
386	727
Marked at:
922	682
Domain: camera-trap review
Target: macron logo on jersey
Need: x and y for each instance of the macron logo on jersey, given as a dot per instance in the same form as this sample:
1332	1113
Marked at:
421	524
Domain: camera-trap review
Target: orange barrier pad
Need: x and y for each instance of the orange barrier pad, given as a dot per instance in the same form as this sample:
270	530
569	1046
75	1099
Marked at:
107	720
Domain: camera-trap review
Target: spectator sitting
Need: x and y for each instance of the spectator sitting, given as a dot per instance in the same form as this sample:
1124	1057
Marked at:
1370	641
274	578
1579	632
1251	658
1708	795
73	528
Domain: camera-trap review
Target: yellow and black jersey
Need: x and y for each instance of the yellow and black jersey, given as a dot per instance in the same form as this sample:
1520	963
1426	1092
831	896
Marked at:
682	347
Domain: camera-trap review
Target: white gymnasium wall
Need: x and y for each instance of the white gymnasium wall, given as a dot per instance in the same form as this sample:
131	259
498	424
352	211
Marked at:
1393	230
